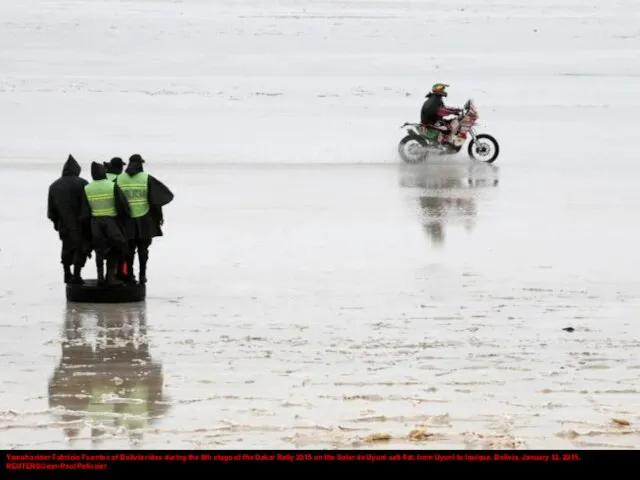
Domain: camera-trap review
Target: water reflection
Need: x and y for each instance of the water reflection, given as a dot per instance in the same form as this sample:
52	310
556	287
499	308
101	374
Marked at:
446	194
106	381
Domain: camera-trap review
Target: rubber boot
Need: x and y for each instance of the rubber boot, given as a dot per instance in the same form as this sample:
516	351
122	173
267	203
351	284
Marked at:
100	268
111	272
77	278
119	273
143	257
67	273
131	278
122	270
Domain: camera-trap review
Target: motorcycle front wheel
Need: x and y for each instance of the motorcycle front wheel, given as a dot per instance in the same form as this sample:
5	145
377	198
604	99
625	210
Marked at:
413	149
484	148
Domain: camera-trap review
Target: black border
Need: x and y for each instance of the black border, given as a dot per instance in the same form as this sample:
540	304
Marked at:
115	461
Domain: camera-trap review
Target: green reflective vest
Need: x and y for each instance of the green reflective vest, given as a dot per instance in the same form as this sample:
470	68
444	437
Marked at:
101	408
136	410
112	176
136	189
102	199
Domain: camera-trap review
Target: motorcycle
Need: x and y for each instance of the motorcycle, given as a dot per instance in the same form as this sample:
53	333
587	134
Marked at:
422	141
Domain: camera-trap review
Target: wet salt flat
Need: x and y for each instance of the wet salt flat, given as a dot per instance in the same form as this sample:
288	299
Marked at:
310	290
304	313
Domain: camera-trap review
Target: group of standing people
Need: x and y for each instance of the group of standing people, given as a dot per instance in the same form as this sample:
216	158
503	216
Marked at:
115	215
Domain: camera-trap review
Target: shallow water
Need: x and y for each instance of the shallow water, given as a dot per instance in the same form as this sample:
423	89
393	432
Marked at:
310	291
428	297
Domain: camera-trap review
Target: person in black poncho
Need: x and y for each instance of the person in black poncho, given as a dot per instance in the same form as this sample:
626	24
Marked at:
106	206
114	168
146	196
63	209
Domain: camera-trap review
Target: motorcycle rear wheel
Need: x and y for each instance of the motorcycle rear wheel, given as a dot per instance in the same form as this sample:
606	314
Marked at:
406	143
478	148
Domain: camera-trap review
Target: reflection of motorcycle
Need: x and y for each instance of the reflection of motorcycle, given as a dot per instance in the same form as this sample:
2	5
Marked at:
446	194
110	383
422	141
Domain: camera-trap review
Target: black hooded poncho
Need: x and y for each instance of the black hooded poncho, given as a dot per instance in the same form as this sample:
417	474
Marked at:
65	202
115	165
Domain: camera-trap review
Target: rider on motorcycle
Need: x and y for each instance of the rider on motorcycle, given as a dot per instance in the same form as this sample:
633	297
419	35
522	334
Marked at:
434	109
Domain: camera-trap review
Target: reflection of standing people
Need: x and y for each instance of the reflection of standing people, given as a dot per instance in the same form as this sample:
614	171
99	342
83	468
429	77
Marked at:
66	389
146	196
113	386
129	375
104	203
63	209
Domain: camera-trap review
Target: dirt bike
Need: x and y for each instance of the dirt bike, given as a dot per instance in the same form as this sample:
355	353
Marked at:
422	141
